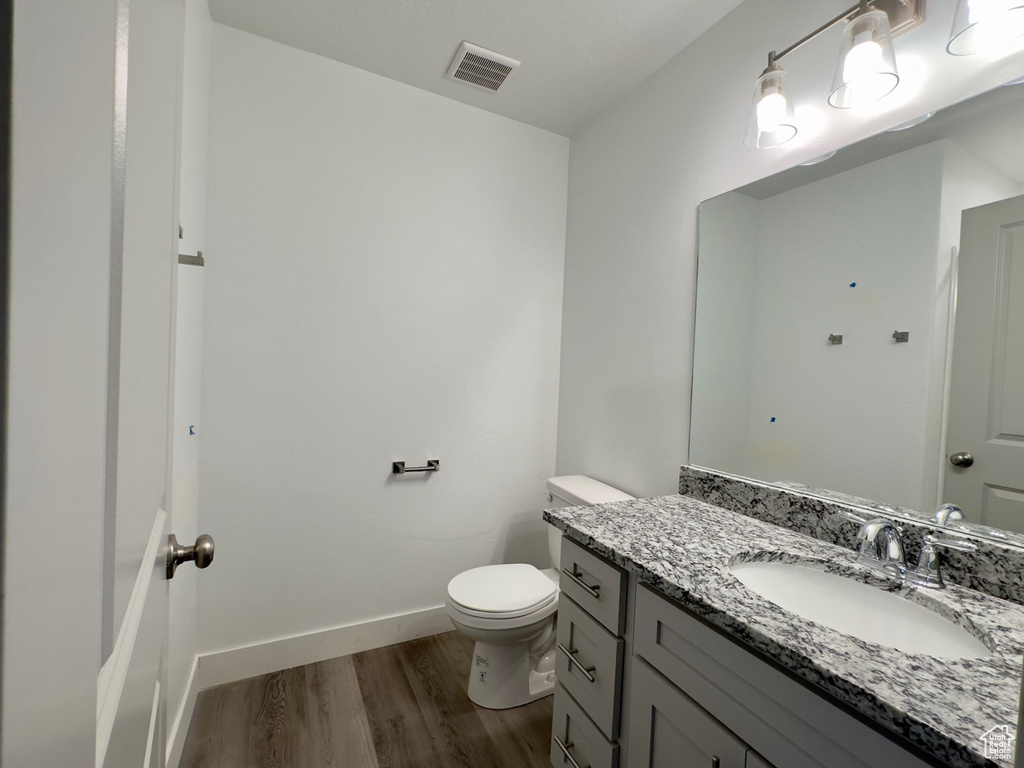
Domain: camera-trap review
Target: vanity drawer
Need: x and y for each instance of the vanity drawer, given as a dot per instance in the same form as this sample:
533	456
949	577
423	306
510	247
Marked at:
572	732
595	584
589	664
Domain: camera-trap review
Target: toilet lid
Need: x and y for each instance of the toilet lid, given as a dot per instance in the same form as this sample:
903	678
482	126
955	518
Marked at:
513	588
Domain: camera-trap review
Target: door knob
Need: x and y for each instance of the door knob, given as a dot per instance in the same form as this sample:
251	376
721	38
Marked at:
201	553
961	459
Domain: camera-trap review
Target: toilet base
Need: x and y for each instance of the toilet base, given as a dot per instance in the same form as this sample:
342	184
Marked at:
506	676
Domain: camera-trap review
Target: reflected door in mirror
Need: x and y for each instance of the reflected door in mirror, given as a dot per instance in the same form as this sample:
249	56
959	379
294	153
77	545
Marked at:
986	401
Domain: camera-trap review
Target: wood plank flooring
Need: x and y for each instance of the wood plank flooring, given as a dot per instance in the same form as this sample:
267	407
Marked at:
404	706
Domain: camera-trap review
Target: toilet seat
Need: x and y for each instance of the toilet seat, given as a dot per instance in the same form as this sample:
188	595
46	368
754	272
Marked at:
501	591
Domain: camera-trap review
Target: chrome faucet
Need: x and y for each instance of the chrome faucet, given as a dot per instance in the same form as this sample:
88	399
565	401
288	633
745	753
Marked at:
881	547
948	513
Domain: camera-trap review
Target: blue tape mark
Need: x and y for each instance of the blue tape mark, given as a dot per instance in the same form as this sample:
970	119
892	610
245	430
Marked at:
191	429
853	285
773	420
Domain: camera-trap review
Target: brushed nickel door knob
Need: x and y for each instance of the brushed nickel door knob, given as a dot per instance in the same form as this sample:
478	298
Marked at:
961	459
201	553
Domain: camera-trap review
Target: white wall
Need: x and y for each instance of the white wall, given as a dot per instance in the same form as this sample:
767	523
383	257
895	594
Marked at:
383	282
638	173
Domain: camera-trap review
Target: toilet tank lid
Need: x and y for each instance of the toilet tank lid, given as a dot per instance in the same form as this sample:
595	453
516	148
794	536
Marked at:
580	489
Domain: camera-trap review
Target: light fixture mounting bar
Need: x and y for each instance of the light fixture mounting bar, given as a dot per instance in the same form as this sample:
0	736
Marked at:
903	15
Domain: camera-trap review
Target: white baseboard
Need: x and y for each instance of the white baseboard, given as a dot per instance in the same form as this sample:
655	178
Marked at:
248	661
179	728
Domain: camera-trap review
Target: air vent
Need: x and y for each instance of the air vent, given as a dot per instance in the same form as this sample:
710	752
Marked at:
476	65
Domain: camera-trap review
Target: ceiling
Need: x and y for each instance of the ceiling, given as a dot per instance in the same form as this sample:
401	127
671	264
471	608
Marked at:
578	56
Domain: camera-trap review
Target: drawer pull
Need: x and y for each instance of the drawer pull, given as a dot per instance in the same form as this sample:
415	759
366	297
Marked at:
715	762
590	590
565	751
576	662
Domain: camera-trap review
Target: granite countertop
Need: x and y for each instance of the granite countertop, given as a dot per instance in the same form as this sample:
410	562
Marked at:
683	548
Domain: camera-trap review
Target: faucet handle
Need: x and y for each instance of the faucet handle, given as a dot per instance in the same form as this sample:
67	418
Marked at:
961	544
928	572
852	516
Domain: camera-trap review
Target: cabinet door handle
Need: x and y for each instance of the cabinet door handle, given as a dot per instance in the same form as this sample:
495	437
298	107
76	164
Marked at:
715	762
571	653
568	755
590	590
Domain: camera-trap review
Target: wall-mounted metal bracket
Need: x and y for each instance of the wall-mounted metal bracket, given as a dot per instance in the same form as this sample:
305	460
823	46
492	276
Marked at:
192	261
835	338
901	336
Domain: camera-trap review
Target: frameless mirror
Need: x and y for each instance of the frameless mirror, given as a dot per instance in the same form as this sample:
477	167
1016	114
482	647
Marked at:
852	336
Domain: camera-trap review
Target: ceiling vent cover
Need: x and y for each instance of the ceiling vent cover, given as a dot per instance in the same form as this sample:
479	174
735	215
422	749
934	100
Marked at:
479	66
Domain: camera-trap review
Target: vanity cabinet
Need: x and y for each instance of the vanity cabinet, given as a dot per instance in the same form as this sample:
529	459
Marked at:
786	723
589	660
671	691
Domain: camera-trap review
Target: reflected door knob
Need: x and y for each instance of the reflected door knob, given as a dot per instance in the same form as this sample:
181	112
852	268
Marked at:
961	459
201	553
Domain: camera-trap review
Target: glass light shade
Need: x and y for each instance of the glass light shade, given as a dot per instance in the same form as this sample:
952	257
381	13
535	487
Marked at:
771	116
867	62
985	25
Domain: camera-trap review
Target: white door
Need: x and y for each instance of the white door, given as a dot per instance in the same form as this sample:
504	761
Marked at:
94	122
132	698
985	443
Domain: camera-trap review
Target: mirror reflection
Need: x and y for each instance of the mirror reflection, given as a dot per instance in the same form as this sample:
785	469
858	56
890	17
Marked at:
852	335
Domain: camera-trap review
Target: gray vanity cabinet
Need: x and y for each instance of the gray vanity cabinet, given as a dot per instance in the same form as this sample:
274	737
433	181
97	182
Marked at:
644	683
784	721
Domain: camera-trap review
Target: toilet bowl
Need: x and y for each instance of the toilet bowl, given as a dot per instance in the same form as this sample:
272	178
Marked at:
509	611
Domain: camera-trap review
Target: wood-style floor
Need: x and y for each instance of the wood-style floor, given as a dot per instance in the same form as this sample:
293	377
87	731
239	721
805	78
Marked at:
403	706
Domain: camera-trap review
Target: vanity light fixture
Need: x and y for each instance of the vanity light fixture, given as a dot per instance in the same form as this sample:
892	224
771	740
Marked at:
771	116
985	25
867	62
866	71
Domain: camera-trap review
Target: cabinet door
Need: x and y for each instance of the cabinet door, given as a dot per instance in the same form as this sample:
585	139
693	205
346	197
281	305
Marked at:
668	730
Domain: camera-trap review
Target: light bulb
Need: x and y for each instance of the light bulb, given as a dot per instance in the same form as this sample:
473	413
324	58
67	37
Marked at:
986	26
771	115
866	75
867	63
771	111
996	29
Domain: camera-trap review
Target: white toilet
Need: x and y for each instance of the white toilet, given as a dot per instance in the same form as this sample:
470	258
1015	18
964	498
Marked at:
509	610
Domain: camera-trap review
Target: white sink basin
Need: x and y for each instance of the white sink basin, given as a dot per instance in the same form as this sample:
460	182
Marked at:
859	609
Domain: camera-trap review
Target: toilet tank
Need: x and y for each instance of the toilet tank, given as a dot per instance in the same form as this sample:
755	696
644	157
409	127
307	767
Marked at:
575	491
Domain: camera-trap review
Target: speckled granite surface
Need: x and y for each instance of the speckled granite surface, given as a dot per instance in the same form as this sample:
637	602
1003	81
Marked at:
683	548
996	567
